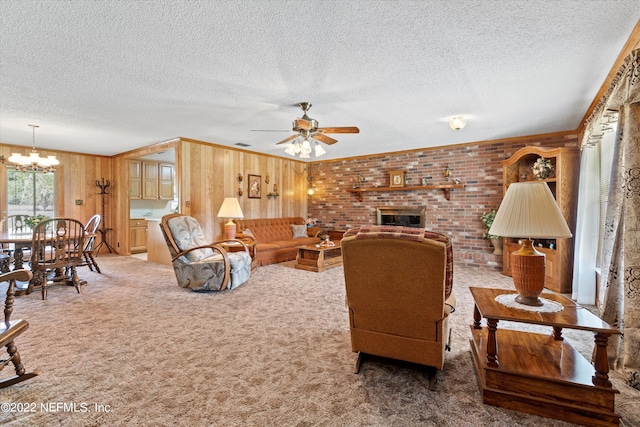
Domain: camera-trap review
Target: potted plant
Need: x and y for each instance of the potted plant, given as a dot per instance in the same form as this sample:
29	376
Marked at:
487	219
32	221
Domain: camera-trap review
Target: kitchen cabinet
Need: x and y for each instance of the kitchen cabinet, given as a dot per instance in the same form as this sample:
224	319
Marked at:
135	179
138	227
165	181
150	180
563	183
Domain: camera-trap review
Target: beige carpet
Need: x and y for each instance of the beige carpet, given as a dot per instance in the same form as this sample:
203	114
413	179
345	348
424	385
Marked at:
273	352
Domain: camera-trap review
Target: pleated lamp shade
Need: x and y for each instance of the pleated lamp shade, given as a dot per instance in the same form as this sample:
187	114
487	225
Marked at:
529	211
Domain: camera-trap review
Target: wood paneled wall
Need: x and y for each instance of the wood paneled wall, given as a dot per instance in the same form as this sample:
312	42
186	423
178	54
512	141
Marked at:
206	174
75	180
210	174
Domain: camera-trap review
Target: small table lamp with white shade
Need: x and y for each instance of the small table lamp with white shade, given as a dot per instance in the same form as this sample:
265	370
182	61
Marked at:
230	209
529	211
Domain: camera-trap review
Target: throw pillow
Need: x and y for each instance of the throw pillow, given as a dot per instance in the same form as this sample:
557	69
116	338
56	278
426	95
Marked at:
248	233
299	231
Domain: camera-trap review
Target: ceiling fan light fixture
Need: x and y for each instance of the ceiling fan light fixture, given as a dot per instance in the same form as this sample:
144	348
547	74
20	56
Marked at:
305	148
457	123
309	136
291	149
319	150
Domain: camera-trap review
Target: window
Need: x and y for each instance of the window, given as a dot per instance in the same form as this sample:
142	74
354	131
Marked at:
30	193
606	159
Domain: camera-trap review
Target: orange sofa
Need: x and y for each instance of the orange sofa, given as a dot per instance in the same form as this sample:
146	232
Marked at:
275	238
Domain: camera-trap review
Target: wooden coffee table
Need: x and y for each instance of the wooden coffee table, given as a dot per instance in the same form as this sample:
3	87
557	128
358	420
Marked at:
318	259
542	374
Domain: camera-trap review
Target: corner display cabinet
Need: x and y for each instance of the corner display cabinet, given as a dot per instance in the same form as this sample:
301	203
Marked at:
563	183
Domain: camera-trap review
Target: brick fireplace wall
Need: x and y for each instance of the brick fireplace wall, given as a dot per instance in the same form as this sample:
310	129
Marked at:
477	166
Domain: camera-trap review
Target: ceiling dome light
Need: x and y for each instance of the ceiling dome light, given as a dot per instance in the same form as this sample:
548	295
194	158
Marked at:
457	123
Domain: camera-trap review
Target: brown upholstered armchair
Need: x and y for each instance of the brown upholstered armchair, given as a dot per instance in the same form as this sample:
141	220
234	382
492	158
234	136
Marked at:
399	284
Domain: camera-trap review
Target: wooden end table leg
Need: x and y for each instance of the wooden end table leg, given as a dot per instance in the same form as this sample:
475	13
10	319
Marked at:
476	317
492	344
557	334
601	362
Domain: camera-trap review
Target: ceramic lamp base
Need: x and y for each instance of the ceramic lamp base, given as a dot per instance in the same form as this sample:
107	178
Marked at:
230	230
527	268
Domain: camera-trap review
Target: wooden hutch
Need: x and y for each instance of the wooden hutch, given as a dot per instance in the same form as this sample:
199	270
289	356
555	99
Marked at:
563	183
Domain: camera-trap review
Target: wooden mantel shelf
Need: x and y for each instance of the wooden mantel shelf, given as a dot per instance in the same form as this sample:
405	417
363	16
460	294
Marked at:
445	187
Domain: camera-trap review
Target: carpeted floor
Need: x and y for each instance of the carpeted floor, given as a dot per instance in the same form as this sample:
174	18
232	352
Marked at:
135	350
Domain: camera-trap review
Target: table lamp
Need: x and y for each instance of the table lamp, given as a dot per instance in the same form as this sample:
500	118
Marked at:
529	211
230	209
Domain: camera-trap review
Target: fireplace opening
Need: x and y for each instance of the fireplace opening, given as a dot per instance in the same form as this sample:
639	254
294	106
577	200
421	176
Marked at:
405	217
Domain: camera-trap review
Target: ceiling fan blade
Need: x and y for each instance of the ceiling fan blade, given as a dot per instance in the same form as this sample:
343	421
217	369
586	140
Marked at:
284	141
324	138
345	129
270	130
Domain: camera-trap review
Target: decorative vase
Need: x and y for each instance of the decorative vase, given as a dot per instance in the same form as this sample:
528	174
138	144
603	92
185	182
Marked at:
497	245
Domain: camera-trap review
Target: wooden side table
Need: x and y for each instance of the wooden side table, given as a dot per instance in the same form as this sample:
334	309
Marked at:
237	247
336	235
542	374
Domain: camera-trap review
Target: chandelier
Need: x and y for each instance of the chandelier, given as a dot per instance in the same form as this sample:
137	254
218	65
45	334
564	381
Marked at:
303	149
33	161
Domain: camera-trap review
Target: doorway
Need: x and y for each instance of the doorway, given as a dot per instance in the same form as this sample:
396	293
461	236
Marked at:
153	193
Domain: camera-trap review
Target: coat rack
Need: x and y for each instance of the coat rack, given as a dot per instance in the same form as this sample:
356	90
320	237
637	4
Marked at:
103	230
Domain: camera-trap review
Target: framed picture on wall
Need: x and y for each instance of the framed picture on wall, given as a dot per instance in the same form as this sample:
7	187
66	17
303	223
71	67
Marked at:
396	179
255	186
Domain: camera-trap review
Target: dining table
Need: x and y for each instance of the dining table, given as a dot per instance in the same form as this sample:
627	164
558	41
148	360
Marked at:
22	241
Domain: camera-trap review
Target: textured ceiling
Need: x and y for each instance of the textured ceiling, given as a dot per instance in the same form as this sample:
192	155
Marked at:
106	77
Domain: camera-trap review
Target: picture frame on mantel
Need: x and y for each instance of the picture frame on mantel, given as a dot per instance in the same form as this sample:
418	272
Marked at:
396	179
255	186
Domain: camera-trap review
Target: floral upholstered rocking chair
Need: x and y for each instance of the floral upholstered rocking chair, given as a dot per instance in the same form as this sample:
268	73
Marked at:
199	265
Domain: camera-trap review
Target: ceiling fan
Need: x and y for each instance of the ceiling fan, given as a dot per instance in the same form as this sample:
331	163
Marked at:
307	131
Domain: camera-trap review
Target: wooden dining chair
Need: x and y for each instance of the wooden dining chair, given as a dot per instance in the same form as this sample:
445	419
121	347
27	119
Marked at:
17	224
10	329
90	229
57	247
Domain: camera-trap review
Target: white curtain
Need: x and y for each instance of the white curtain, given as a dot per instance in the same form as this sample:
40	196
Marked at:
593	191
587	227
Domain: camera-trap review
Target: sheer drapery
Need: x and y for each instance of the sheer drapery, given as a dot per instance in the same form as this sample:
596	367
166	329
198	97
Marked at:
620	298
587	225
